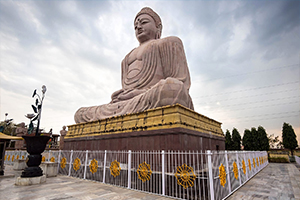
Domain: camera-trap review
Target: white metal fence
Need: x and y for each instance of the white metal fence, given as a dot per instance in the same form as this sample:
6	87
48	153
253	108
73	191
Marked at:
178	174
297	159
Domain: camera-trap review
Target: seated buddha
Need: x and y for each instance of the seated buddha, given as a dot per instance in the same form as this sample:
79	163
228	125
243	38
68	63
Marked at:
154	74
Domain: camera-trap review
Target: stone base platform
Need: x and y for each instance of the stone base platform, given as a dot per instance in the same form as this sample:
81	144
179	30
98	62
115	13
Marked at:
49	168
166	128
31	180
19	164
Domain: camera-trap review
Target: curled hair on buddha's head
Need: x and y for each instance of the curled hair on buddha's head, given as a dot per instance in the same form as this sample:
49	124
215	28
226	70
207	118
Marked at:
156	18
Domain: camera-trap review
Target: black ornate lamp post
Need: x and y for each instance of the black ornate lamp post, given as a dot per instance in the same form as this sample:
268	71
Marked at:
35	143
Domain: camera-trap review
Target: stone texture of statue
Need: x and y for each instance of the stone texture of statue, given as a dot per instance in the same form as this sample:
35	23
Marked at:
154	74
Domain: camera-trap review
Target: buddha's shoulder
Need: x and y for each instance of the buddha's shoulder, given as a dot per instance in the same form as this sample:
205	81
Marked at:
169	40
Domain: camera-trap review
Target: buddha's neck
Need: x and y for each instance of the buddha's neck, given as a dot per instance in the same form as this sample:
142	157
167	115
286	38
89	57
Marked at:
143	43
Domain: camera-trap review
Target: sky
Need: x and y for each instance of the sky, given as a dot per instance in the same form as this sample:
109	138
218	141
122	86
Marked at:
243	57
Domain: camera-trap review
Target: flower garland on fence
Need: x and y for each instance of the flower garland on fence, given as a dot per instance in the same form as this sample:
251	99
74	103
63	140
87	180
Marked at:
76	164
63	162
94	166
222	175
235	170
115	168
144	171
249	164
244	166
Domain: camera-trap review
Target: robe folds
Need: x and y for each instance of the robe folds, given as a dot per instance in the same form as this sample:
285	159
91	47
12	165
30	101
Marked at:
162	79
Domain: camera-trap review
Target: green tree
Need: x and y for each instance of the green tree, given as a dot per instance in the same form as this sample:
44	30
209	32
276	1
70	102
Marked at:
236	139
289	137
255	141
228	141
8	128
248	140
263	139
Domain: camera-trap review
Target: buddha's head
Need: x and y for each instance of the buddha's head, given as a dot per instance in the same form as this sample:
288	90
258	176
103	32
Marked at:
147	25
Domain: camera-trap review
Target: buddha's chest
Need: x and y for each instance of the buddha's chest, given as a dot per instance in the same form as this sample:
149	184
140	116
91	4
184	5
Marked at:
135	62
137	54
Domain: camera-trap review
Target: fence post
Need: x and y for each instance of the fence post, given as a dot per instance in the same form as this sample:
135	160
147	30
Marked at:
210	174
163	171
104	166
227	172
59	154
70	163
85	163
246	165
129	169
49	153
238	166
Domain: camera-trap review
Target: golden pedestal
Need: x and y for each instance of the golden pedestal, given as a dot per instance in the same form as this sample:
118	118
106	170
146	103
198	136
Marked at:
151	124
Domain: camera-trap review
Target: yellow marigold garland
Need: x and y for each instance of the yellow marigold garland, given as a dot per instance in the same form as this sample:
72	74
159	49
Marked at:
115	168
244	166
254	162
222	175
43	159
76	164
63	162
249	164
94	166
52	159
235	170
144	171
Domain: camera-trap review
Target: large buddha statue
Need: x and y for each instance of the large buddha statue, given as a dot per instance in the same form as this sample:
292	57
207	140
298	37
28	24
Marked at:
154	74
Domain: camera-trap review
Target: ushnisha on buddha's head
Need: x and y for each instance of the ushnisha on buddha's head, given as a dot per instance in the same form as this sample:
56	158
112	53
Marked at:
147	25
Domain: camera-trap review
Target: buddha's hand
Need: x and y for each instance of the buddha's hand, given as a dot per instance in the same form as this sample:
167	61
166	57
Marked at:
129	94
114	96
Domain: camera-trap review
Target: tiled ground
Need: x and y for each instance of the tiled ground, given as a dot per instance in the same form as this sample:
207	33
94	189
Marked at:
275	182
64	187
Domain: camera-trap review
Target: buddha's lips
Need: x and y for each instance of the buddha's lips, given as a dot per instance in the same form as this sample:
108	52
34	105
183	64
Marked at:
140	31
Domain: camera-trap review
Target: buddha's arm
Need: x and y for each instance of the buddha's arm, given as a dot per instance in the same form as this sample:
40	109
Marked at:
174	60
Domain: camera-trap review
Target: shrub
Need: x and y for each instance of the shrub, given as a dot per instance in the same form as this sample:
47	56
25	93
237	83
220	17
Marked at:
292	159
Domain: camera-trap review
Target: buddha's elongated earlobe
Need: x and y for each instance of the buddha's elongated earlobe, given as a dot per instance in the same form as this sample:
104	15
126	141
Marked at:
157	36
158	32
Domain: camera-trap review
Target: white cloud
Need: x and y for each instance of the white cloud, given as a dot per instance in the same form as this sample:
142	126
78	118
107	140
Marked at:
76	49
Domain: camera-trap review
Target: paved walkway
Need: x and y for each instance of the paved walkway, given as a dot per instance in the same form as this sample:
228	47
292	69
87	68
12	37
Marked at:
67	188
276	181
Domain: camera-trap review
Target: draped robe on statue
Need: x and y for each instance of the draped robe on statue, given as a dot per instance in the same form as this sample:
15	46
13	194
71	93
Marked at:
161	79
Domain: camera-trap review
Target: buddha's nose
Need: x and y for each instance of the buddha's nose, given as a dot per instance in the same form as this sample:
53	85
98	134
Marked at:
139	26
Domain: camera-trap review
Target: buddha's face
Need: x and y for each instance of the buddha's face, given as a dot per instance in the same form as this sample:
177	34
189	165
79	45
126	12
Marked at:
145	28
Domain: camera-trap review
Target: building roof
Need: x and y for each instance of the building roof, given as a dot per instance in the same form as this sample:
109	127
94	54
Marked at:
8	137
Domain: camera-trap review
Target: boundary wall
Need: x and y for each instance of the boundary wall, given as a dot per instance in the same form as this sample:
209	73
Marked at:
176	174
